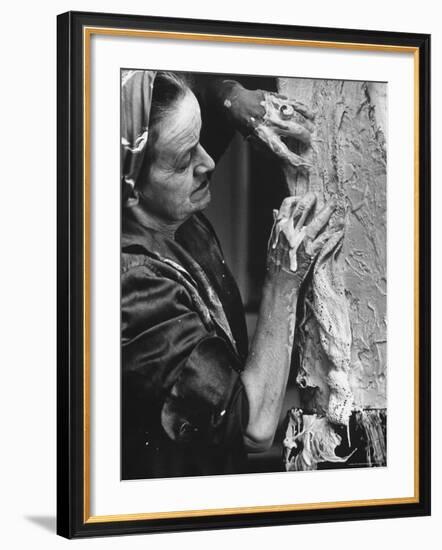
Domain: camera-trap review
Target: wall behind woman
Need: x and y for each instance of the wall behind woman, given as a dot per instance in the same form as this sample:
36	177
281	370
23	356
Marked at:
27	228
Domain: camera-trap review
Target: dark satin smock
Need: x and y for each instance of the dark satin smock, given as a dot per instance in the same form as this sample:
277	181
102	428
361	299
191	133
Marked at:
184	344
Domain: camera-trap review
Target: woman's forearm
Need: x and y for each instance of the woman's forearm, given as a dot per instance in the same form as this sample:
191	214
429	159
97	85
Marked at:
292	249
268	364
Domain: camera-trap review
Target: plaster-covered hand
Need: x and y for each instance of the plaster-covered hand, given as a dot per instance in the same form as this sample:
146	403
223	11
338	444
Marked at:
294	244
267	118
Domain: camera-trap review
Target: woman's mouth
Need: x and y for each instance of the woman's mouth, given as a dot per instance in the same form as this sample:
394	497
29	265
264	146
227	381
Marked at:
201	189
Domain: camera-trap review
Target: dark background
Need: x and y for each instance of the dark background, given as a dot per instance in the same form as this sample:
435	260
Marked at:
246	186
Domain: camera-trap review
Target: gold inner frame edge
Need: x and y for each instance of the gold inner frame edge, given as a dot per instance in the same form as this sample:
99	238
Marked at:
87	33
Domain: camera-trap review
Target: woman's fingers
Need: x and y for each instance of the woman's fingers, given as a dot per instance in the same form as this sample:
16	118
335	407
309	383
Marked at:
285	154
281	216
297	130
303	209
293	125
268	136
330	237
302	108
282	120
321	219
287	117
288	207
332	247
278	249
297	105
294	245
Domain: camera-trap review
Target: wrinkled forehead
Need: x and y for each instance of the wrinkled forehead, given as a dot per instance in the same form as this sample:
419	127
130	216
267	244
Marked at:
181	127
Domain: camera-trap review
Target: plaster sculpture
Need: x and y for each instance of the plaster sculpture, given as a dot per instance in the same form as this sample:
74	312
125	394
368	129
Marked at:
341	351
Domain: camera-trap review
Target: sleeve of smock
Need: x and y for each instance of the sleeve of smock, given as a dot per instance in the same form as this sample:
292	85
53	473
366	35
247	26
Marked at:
172	359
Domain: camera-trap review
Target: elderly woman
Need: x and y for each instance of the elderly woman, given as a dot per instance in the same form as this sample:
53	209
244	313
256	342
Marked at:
195	399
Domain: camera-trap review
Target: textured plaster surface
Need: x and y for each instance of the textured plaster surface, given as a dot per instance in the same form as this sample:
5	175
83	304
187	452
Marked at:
348	160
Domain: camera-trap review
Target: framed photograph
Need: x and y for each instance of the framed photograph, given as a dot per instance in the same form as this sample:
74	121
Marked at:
243	274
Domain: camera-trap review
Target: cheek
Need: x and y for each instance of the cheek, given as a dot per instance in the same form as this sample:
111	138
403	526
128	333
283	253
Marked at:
177	187
171	191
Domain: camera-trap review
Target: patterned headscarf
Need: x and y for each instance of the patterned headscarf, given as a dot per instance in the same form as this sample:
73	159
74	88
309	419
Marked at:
136	98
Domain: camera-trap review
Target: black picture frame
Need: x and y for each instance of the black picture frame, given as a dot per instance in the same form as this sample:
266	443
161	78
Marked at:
73	520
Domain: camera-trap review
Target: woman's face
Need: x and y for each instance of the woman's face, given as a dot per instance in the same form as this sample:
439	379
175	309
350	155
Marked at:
177	183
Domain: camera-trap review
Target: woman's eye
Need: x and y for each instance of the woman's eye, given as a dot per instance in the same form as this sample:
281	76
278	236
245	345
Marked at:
184	163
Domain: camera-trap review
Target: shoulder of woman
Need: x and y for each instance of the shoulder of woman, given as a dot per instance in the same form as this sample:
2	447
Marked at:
132	264
160	281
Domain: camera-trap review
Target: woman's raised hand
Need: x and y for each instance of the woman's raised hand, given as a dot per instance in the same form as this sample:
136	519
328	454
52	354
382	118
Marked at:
266	118
297	237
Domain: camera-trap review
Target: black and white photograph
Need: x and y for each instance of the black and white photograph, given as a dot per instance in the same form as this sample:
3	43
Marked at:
222	254
253	274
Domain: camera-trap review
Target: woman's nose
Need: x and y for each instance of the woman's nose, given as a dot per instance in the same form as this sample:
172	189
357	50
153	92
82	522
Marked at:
205	162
